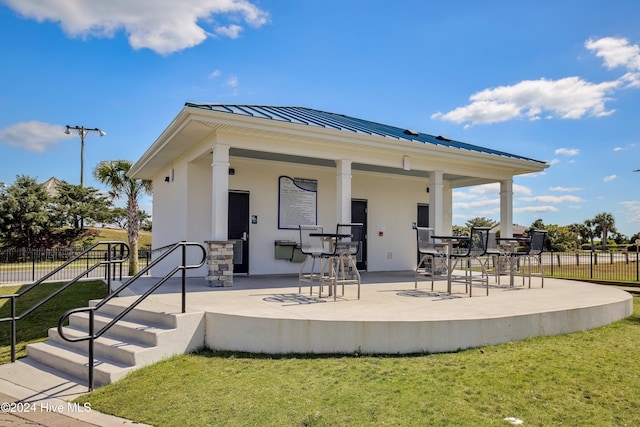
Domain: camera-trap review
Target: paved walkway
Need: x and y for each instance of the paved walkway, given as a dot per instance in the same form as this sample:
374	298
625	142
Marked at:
19	415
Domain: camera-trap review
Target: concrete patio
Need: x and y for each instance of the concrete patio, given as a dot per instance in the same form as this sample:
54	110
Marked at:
268	314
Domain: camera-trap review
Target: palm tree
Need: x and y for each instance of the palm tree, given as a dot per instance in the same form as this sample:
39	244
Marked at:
604	223
114	174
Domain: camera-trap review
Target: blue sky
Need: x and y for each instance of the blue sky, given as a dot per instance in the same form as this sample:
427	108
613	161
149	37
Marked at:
557	81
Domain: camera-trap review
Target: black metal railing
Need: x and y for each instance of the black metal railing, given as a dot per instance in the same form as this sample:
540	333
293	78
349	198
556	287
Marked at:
610	266
24	265
92	335
115	253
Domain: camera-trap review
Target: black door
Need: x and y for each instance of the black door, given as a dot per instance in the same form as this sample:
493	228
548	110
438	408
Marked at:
423	220
359	215
239	229
423	215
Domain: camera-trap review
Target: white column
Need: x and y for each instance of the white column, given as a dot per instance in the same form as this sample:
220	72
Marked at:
343	191
220	192
506	208
436	202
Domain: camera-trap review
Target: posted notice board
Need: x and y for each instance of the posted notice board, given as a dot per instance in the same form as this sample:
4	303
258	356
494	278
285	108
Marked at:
297	202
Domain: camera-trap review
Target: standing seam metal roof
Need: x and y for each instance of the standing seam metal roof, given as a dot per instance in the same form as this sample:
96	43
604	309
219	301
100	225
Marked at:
311	117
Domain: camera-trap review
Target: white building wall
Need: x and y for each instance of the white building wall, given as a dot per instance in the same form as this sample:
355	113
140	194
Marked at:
182	210
392	204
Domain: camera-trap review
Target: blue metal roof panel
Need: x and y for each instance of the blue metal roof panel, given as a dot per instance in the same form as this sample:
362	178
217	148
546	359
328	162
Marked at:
311	117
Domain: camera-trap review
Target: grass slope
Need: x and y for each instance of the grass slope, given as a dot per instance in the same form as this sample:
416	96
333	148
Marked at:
34	327
583	379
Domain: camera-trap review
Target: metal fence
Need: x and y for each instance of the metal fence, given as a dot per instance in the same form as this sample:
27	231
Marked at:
28	265
614	266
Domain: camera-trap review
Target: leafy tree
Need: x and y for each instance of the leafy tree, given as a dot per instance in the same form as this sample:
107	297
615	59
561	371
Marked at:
559	238
480	222
460	230
25	217
114	174
74	204
120	219
605	223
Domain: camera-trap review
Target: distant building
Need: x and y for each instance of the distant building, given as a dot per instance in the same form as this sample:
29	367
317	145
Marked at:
51	186
518	230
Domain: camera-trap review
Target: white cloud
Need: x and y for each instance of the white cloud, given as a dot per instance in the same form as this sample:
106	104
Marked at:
609	178
632	210
231	31
215	74
164	26
617	52
535	209
232	82
565	98
565	189
553	199
567	151
32	136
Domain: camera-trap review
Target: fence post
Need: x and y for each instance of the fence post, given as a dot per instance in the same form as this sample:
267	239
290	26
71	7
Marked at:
33	265
591	265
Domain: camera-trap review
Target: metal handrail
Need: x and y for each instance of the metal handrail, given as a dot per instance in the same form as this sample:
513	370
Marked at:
93	335
124	253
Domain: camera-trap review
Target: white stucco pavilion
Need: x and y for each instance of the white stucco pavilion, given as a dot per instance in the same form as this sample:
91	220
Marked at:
210	151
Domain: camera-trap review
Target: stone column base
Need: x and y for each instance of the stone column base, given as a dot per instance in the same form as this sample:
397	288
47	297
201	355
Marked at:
219	263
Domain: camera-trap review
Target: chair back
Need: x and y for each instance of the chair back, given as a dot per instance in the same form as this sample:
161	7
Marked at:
538	237
492	244
311	245
478	241
426	242
350	245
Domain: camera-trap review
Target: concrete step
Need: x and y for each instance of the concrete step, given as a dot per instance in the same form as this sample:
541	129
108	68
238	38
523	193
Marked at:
146	312
143	337
76	364
107	347
133	332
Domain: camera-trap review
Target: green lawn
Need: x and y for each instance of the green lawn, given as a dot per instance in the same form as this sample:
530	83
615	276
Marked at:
119	235
590	378
34	327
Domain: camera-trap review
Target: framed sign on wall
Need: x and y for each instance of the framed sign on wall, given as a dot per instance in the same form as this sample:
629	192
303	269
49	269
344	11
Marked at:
297	202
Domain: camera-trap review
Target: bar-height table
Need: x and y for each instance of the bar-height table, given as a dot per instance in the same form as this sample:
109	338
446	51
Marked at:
333	239
450	241
513	242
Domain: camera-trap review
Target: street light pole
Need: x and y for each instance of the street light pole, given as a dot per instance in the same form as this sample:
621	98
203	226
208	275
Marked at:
82	131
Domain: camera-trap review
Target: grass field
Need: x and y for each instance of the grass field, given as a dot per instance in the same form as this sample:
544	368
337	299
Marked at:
121	235
589	378
583	379
34	327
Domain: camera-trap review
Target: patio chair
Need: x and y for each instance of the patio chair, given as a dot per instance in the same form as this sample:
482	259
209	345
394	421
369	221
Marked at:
495	255
317	249
343	268
536	247
476	249
433	257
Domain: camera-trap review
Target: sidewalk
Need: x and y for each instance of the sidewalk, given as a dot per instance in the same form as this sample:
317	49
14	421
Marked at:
34	395
34	415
